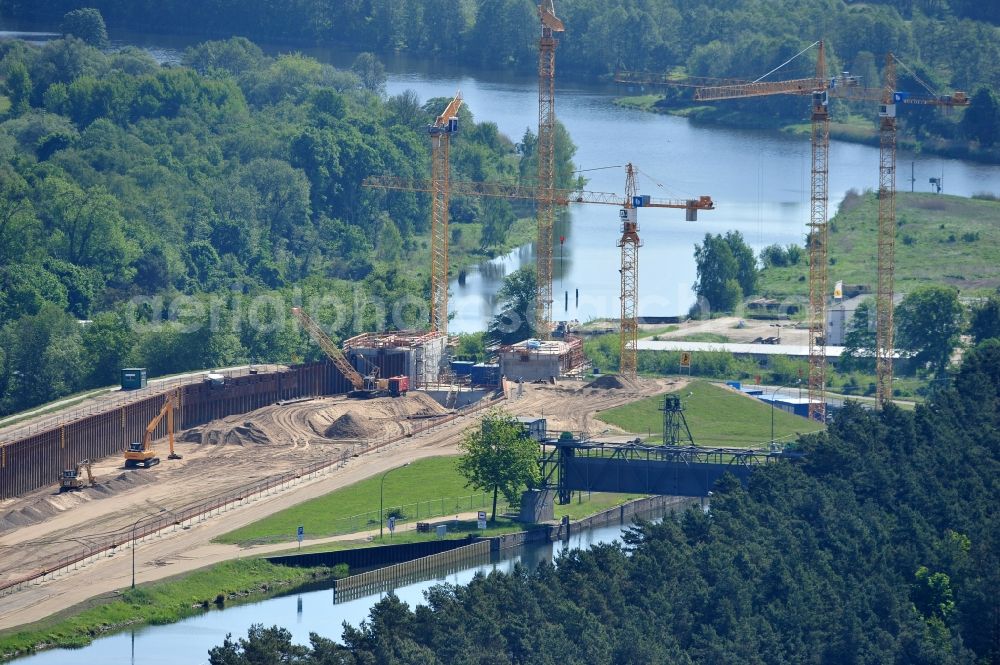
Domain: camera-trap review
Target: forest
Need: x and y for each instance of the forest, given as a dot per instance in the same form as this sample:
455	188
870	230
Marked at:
169	217
948	44
879	545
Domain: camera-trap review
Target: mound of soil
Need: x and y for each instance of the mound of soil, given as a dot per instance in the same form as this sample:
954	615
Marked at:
348	426
608	381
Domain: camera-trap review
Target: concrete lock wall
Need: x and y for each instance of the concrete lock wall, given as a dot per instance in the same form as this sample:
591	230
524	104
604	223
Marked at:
530	367
38	460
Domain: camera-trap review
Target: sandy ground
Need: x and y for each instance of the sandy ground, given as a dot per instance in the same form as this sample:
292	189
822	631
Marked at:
231	453
727	325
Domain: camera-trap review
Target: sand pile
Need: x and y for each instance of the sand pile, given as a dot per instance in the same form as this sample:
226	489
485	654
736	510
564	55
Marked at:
223	432
53	504
352	426
607	382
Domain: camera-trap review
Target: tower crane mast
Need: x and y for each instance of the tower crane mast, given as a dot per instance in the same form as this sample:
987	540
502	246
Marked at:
629	242
440	132
817	87
546	164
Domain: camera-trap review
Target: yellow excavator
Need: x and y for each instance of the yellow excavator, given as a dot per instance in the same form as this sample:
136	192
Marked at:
72	479
141	453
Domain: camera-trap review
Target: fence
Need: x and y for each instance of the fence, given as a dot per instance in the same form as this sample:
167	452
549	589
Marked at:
184	517
39	457
405	514
390	577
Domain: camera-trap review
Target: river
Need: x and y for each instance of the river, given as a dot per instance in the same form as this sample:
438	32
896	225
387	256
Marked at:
759	181
187	642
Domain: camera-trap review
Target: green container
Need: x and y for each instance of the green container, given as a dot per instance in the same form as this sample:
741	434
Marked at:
133	378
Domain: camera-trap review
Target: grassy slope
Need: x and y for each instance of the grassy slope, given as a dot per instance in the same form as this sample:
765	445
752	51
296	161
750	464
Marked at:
925	252
427	480
716	416
160	603
424	480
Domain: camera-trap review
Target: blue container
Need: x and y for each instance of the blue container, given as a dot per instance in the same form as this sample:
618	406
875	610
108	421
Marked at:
484	374
736	385
462	367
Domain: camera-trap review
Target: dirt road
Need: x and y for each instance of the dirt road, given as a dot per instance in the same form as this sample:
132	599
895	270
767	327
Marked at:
235	452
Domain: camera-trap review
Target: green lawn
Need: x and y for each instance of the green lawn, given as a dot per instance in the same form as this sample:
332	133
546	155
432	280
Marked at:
716	416
939	240
643	334
583	505
423	489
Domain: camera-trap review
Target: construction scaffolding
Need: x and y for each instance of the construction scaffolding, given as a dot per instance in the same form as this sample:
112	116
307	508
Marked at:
541	360
418	354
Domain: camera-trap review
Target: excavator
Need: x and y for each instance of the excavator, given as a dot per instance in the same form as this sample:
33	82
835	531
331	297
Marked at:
72	479
141	453
364	387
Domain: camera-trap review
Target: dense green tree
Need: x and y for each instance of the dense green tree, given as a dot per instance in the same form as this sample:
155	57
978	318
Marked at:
928	323
371	71
984	322
717	274
19	88
859	339
86	24
516	302
497	457
981	121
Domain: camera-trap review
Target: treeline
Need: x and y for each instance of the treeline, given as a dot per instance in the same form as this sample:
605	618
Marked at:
879	545
170	216
949	44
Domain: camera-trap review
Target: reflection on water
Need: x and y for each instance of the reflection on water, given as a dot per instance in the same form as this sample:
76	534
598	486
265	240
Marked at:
302	612
758	179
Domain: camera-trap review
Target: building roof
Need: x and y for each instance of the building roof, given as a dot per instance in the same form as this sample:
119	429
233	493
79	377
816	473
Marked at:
744	349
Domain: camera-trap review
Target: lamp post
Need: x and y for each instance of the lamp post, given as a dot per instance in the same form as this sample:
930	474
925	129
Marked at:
134	525
381	495
773	395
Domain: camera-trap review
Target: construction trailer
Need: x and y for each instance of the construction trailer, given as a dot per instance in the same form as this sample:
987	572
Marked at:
415	354
538	360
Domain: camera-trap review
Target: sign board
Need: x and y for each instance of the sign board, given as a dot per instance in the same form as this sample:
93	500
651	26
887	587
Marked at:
482	519
392	523
302	533
686	359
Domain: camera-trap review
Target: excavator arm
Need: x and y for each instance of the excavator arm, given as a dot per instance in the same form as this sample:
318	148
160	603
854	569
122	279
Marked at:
330	349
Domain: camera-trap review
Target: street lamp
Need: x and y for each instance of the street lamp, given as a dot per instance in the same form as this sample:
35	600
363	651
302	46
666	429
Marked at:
381	495
773	394
134	525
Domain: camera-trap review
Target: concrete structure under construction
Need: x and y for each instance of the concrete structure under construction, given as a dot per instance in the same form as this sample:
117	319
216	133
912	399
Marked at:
536	360
417	354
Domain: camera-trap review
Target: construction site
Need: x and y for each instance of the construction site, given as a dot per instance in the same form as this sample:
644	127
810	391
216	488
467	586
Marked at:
156	468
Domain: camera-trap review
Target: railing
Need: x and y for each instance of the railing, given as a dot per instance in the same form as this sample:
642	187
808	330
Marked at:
184	517
384	579
405	514
109	400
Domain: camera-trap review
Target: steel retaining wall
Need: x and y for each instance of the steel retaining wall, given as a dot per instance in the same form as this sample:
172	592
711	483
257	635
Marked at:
38	460
184	517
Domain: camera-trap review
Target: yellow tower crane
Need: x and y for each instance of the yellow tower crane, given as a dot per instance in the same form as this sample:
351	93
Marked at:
629	242
440	132
546	165
818	203
821	88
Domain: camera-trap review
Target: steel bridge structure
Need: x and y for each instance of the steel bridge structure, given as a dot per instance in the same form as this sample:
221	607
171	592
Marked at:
588	466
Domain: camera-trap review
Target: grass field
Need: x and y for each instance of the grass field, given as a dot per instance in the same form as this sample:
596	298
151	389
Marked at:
160	603
940	240
716	416
434	483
